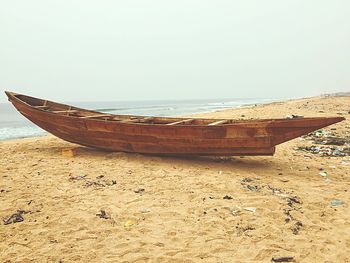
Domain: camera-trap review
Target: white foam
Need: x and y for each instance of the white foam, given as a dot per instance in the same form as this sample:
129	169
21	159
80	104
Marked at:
7	133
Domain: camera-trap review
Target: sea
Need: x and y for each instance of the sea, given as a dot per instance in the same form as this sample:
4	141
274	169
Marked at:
13	125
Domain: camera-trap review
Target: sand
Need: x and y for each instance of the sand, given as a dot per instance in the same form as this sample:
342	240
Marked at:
116	207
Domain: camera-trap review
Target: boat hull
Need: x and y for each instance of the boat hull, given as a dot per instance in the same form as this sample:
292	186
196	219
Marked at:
240	138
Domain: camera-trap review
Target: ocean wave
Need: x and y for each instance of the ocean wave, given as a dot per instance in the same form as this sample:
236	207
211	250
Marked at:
8	133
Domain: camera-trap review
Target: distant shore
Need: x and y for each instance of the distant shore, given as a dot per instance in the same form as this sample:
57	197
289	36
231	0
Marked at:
97	206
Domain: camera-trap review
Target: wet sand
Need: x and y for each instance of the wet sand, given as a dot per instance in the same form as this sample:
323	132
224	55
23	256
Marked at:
116	207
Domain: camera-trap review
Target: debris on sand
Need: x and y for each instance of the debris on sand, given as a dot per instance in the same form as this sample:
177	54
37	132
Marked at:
100	180
227	197
336	202
330	144
78	177
252	188
324	174
129	223
94	183
14	218
234	210
326	150
247	180
297	227
103	214
289	217
332	140
293	200
250	209
139	191
245	229
145	210
326	138
283	259
293	116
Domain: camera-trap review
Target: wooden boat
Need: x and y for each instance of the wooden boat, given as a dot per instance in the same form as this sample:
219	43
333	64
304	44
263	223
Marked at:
164	136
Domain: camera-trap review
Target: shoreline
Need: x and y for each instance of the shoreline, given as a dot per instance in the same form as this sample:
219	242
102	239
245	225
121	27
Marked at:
101	206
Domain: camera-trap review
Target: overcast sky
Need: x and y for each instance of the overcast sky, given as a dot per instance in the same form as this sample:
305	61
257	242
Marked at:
81	50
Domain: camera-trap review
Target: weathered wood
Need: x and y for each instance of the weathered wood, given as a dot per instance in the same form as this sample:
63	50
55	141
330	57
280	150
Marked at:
41	107
218	122
164	135
96	116
180	122
64	111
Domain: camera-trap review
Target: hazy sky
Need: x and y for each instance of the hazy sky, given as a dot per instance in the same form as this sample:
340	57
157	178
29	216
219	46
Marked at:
81	50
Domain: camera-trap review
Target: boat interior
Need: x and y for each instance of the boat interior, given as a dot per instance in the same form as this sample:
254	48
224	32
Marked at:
67	110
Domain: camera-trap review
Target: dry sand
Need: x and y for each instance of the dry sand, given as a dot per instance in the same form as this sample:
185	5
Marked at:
178	209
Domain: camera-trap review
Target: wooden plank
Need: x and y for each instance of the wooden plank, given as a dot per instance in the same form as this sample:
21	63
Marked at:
217	122
64	111
134	119
180	122
41	107
128	121
96	116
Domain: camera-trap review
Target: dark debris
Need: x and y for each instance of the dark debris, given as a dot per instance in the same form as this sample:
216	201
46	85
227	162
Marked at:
283	259
103	214
15	218
139	191
297	227
327	144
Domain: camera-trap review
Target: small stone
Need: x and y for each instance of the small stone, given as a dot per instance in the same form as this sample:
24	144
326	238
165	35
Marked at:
336	202
145	210
252	188
129	223
324	174
246	180
235	210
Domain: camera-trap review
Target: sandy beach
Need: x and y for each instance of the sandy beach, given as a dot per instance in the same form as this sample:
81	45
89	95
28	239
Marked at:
97	206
